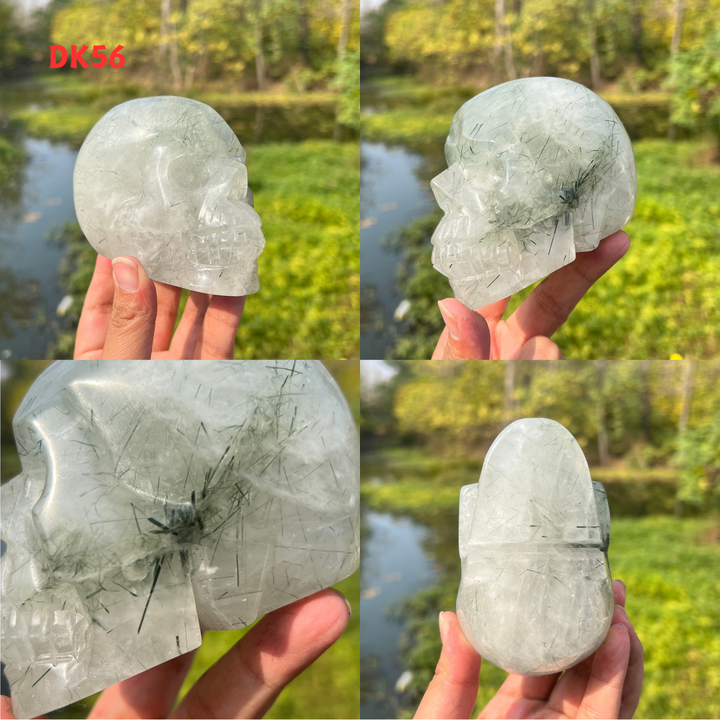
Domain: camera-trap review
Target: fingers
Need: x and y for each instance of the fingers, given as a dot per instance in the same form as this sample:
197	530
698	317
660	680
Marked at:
466	336
453	690
6	708
539	348
168	299
636	665
95	316
520	696
151	694
604	689
620	591
132	321
189	329
246	680
217	340
551	302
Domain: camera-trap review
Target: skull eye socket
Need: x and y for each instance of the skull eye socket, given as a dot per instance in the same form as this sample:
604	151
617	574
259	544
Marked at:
188	172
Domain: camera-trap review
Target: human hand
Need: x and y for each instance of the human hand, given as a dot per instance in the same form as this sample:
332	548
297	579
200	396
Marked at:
525	335
246	681
127	316
605	685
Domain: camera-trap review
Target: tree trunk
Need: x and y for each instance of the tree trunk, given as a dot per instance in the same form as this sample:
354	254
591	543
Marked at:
685	415
603	449
674	50
645	401
260	68
503	44
304	33
592	40
509	394
342	49
636	21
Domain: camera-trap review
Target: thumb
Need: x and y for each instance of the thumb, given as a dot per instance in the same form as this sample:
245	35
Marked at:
467	335
132	322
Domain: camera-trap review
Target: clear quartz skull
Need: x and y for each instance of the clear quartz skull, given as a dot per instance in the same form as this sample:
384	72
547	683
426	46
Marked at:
160	498
538	169
164	179
536	593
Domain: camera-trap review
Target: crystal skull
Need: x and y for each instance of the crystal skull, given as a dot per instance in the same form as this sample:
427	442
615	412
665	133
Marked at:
160	498
538	169
164	179
536	593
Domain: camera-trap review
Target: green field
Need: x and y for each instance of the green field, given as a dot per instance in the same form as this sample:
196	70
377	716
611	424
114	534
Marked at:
670	567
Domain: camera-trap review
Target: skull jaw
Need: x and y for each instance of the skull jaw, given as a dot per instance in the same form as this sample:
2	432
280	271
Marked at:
220	262
485	269
234	280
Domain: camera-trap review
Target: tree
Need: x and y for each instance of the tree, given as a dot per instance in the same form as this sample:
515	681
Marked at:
695	84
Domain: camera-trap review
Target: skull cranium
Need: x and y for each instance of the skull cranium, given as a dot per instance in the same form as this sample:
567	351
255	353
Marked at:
538	169
164	179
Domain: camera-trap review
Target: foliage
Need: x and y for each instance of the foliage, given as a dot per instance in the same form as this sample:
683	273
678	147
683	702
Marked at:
348	85
695	80
698	456
10	38
456	39
214	38
11	157
308	197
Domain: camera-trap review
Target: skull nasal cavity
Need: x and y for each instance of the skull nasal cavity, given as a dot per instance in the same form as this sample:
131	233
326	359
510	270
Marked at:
188	172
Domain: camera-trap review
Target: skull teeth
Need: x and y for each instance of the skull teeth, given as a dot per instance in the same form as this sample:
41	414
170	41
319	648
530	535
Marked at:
214	249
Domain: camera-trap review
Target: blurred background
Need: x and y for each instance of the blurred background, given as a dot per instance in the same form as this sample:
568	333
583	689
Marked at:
285	76
329	688
657	62
651	434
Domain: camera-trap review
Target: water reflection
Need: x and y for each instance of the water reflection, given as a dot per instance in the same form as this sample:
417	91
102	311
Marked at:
30	289
392	194
394	567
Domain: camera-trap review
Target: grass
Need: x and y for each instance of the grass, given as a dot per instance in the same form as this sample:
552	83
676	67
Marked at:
670	567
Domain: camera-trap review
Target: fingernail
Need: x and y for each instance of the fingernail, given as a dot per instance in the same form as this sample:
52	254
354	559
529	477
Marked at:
126	274
347	602
441	623
622	609
622	583
451	321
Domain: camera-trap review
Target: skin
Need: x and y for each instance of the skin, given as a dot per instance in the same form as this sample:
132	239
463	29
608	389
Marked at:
127	316
605	685
244	682
525	335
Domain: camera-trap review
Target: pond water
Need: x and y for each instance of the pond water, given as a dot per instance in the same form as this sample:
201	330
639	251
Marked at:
30	286
391	196
30	280
394	567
